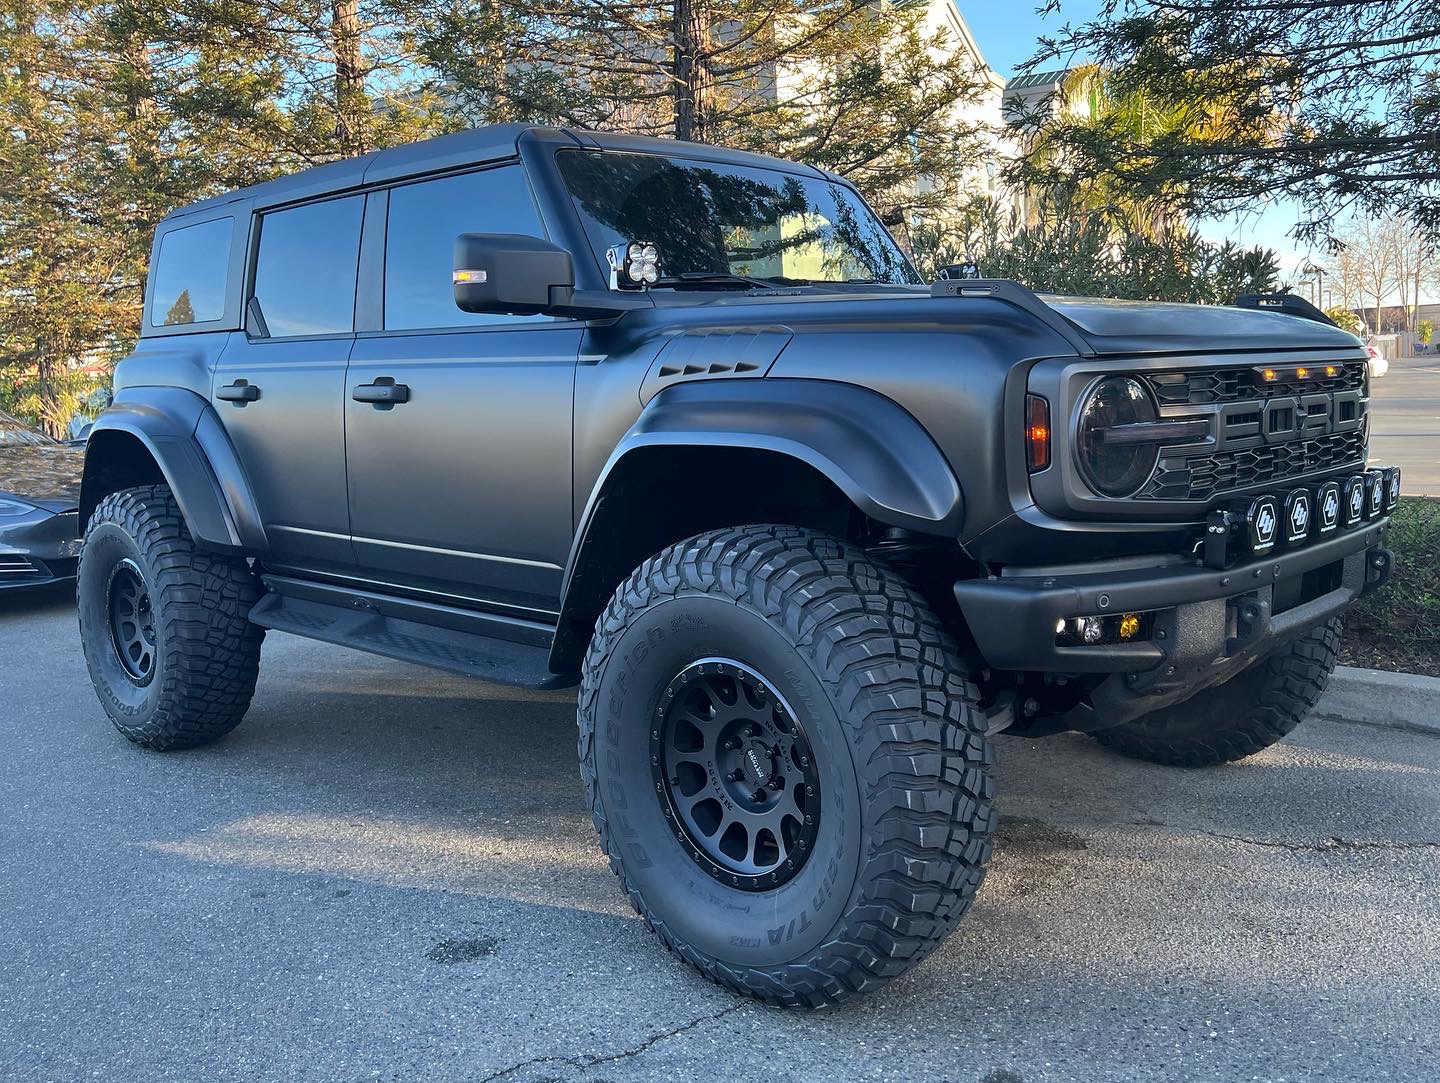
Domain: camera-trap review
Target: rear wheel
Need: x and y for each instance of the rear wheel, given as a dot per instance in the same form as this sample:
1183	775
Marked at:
164	624
784	763
1246	714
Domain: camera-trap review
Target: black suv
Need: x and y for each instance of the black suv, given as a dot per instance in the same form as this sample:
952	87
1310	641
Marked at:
683	426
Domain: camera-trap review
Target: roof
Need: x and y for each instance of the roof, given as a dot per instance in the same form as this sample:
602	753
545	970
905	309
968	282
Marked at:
1037	79
456	151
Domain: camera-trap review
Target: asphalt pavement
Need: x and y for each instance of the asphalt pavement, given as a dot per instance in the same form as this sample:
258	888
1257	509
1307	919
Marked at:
388	873
1405	422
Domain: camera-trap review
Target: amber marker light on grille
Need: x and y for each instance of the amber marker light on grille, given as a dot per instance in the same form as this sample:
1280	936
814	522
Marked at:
1129	625
1037	432
1331	370
1268	374
1303	374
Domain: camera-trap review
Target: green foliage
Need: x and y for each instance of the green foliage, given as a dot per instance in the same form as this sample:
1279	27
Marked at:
1072	250
1347	320
1330	102
1398	628
1426	330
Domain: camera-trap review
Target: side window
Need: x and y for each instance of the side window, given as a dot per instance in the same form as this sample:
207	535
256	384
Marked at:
188	284
305	269
425	219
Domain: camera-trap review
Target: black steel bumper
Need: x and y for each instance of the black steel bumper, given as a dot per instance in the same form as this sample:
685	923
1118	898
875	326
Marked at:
1211	615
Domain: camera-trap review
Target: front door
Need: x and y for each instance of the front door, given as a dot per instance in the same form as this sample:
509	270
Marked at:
460	477
281	395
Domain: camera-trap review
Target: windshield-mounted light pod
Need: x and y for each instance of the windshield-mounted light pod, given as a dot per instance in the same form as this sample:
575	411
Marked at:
634	265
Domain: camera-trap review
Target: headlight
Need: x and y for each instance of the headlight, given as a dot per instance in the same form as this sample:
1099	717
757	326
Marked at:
1116	467
11	508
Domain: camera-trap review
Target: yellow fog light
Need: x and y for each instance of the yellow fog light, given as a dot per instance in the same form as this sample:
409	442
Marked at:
1129	625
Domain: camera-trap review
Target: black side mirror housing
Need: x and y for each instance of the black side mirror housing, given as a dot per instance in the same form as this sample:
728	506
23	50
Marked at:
519	275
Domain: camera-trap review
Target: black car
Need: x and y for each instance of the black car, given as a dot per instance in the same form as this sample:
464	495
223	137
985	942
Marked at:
683	426
39	498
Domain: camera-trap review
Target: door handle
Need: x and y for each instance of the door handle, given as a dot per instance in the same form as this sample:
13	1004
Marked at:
383	392
240	392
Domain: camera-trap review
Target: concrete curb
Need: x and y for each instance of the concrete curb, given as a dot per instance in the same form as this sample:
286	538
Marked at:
1373	697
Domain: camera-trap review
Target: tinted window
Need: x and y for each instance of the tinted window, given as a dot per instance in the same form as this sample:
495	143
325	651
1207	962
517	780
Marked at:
188	285
305	271
424	221
708	218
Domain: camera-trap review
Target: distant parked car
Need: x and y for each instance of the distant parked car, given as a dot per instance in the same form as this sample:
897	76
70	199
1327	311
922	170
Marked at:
1378	365
39	507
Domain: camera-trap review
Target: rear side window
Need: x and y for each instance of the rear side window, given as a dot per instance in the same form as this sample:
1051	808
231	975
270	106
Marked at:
425	219
188	285
305	269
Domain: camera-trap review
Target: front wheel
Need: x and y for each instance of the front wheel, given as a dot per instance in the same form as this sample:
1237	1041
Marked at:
164	624
785	763
1246	714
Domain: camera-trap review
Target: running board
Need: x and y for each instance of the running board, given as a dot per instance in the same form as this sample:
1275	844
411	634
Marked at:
507	650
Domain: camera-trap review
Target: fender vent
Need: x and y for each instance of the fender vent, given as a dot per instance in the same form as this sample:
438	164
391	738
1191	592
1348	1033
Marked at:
707	353
713	369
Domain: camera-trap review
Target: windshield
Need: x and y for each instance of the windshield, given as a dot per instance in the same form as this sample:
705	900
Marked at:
713	219
15	433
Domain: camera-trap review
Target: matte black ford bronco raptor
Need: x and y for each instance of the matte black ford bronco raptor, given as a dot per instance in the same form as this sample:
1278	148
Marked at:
683	426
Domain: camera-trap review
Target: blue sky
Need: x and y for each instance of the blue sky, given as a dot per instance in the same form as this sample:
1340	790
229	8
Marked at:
1008	31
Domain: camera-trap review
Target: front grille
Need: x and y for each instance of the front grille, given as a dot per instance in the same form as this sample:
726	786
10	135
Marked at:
1201	387
1202	477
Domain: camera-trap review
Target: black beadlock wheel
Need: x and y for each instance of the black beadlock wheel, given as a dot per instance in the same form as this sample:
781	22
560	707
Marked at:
1245	715
741	790
164	624
784	763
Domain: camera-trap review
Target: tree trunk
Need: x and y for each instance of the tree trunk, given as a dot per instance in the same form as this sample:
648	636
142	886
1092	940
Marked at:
492	17
350	101
694	88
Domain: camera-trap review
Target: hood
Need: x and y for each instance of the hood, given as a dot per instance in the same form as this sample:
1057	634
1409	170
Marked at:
46	475
1157	326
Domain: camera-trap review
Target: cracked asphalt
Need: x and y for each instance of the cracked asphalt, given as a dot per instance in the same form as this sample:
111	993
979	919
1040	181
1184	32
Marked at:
389	873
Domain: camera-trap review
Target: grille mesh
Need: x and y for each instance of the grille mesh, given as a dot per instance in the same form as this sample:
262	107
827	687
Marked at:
1202	477
1202	387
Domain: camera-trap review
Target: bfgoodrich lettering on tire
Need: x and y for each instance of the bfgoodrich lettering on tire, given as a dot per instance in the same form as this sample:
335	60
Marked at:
164	625
784	762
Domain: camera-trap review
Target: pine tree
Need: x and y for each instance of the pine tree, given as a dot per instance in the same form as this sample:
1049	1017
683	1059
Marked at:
848	85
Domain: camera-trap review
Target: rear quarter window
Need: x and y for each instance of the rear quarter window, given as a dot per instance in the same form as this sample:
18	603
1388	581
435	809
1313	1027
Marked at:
191	274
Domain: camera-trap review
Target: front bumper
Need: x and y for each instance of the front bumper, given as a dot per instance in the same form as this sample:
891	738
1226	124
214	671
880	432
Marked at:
38	549
1206	625
1013	618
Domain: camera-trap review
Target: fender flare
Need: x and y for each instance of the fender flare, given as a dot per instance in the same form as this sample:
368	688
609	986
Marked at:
182	434
867	445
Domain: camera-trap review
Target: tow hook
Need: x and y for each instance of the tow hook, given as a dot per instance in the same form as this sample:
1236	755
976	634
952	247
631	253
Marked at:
1251	622
1379	564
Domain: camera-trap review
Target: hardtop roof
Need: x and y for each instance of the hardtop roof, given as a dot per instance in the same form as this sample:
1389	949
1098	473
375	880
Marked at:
455	151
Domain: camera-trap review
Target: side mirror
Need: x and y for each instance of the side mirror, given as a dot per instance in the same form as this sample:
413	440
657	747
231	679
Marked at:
510	273
513	274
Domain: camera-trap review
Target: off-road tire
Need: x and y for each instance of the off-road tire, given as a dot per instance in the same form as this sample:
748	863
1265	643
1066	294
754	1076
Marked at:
901	851
1246	714
206	652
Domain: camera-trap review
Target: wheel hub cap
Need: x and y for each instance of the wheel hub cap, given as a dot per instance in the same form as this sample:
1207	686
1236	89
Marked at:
735	774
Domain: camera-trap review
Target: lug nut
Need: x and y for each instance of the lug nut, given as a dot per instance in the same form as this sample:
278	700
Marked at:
735	775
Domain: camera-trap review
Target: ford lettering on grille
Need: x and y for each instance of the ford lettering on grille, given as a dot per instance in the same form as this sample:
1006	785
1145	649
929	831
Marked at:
1275	432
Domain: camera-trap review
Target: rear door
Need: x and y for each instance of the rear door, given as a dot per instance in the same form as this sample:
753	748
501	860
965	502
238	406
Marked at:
464	487
281	395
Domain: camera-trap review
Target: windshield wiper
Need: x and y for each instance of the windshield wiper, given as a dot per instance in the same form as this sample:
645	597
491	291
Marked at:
724	278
